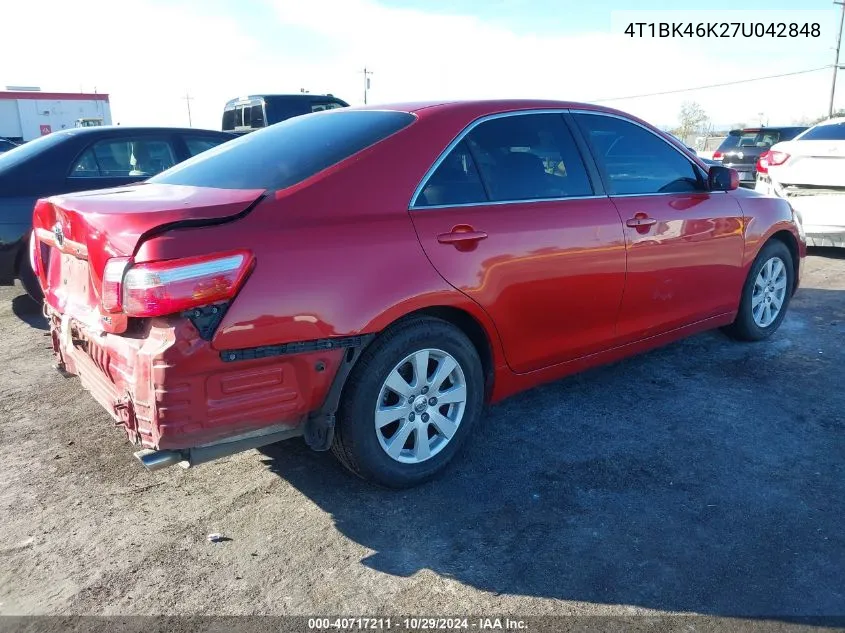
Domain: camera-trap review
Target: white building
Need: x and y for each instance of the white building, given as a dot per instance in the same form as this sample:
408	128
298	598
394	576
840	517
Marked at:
28	114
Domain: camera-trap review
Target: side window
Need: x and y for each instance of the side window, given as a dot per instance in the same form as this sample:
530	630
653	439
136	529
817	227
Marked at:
636	161
199	144
124	158
529	157
455	181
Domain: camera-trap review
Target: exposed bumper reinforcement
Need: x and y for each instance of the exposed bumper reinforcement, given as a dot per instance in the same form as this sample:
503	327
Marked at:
156	460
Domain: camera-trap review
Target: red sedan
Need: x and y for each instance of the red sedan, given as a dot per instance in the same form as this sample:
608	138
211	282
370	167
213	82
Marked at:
370	278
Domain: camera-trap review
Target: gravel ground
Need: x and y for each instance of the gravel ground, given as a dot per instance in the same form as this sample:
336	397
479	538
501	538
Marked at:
705	477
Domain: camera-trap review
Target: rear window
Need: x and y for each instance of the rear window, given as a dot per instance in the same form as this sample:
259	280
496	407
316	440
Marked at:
228	120
829	132
26	151
764	138
283	108
287	153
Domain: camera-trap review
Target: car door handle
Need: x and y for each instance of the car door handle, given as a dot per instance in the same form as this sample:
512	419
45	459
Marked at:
461	237
640	222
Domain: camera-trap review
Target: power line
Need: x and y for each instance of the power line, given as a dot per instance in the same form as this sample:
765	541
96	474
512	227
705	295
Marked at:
727	83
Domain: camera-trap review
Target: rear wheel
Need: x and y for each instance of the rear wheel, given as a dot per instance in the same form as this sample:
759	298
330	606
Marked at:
766	294
410	403
28	279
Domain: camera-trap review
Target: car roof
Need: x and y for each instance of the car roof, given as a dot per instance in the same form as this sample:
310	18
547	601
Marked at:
492	104
474	109
483	107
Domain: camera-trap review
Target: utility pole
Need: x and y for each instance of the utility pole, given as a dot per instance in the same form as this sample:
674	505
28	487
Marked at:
836	63
367	74
188	99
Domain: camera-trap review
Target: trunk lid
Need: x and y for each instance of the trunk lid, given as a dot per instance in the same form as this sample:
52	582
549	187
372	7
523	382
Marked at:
814	163
75	235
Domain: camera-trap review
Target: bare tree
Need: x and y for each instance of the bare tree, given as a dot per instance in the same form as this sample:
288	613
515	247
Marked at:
692	119
809	121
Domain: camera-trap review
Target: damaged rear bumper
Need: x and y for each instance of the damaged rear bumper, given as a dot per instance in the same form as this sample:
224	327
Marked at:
180	402
820	211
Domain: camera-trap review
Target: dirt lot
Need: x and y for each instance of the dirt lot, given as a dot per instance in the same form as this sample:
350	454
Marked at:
705	477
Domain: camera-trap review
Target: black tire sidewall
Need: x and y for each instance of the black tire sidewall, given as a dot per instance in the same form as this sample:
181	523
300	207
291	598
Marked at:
28	280
745	319
357	431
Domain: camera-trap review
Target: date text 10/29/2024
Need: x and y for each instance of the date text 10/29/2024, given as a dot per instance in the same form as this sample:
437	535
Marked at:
416	624
723	29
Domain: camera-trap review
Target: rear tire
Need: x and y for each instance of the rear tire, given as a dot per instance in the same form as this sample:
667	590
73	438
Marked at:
28	280
397	428
765	295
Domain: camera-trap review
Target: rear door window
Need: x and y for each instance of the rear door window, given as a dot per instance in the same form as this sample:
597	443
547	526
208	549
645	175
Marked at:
121	158
455	181
529	157
282	155
635	161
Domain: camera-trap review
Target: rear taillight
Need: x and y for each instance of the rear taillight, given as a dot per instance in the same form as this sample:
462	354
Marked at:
717	155
172	286
110	296
762	165
776	158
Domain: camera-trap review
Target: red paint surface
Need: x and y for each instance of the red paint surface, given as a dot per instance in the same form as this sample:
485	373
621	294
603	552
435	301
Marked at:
556	286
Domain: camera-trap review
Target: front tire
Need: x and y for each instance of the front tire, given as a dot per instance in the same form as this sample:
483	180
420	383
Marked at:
409	404
765	295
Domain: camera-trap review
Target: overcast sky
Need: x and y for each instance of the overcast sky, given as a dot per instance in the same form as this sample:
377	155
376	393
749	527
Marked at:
147	53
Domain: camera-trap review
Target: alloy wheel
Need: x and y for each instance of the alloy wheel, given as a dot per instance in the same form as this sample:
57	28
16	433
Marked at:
420	406
769	292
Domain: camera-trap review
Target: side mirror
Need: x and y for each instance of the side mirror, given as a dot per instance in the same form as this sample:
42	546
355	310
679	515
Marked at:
722	178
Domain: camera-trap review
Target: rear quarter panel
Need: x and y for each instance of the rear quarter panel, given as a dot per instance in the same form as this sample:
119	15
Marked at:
336	255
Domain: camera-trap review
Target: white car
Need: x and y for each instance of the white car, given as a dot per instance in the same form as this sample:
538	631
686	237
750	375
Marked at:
809	171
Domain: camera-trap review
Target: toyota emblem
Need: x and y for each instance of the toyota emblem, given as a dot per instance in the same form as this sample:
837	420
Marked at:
59	234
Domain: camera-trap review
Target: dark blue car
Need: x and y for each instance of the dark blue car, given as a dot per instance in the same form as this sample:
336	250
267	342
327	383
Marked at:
77	160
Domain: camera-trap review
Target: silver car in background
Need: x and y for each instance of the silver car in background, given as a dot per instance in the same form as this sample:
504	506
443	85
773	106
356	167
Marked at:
809	171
